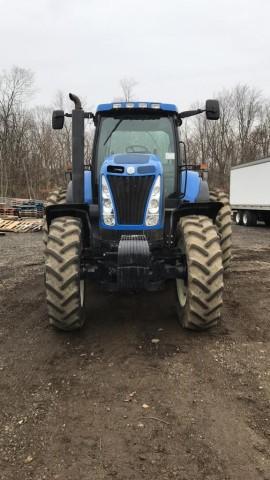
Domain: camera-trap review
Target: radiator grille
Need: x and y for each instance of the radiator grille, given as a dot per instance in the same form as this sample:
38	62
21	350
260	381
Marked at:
130	196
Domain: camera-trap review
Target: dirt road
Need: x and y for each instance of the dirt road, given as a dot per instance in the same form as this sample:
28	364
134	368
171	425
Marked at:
107	403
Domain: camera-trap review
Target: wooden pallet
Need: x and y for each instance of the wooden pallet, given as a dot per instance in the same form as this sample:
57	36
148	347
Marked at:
20	226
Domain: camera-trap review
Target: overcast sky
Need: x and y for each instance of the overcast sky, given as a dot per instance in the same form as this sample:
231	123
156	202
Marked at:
179	51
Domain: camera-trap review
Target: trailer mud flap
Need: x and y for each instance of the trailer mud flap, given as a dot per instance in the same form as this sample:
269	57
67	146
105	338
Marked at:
133	262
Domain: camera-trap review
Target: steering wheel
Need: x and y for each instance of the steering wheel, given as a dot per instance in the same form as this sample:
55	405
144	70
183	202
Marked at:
137	149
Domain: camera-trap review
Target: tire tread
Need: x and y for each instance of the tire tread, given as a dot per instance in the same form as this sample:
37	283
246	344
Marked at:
205	273
62	274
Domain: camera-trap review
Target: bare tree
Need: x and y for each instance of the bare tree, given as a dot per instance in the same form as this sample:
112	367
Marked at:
127	86
247	108
239	135
33	157
16	87
260	136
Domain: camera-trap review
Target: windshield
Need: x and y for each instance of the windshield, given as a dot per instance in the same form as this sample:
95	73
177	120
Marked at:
139	135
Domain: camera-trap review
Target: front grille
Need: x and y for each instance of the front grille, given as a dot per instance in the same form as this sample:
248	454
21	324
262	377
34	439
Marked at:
130	196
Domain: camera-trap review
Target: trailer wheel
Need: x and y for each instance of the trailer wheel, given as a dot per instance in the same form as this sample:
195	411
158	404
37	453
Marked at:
267	221
65	289
249	219
238	218
224	225
56	197
199	296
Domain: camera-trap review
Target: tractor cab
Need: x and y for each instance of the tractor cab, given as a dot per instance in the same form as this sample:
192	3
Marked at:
135	162
137	167
138	132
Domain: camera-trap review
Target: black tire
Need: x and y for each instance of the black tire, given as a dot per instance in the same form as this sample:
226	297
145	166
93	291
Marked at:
249	218
56	197
239	218
200	296
65	290
224	225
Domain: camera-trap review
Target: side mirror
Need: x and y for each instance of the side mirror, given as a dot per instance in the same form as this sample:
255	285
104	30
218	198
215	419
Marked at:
58	118
212	109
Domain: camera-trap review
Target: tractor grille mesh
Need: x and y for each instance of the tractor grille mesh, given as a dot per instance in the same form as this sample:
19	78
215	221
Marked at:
130	196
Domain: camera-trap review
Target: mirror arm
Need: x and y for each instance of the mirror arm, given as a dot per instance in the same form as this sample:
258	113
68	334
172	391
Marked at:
190	113
86	115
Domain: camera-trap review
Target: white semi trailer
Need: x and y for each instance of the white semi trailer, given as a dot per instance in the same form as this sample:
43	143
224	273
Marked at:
250	192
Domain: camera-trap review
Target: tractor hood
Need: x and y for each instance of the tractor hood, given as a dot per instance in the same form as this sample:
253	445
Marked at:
131	192
132	164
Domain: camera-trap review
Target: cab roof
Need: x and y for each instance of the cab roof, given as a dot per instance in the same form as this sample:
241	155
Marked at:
167	107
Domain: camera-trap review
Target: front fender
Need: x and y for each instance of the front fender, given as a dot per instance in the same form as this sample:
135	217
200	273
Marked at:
72	210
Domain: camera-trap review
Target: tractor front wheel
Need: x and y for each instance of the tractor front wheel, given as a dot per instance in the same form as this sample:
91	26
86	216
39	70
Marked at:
65	289
199	296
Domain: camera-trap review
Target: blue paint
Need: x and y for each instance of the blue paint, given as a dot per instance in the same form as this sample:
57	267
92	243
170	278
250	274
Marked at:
150	160
193	182
105	107
138	160
88	194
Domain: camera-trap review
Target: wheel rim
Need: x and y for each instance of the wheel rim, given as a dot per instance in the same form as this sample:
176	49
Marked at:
181	284
82	288
245	219
181	289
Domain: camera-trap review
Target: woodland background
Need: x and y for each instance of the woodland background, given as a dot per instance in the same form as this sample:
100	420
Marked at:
33	157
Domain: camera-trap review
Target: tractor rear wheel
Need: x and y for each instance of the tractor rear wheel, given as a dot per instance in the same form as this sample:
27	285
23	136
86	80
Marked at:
56	197
199	296
224	225
65	289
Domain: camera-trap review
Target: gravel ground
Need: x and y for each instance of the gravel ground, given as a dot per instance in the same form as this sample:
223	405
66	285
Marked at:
107	403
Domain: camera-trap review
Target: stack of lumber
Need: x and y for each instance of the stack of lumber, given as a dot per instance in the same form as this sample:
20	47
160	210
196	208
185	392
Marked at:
21	207
28	208
13	224
20	215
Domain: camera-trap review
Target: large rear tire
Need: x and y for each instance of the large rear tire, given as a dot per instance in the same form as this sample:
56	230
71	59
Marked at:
200	296
65	289
224	225
56	197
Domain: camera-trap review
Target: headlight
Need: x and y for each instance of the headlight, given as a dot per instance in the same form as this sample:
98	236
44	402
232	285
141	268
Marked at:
152	214
107	204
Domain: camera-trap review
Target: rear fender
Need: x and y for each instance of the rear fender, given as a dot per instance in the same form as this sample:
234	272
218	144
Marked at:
88	193
207	209
190	185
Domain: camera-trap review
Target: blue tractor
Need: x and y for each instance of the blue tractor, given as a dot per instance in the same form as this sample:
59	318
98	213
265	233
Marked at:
139	217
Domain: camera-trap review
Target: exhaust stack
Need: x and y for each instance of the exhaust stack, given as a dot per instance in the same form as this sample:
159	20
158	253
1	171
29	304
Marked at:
77	150
76	100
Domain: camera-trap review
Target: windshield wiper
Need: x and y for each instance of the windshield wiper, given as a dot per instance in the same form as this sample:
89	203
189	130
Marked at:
113	130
